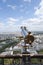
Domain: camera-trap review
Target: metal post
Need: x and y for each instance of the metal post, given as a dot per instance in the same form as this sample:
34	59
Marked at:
26	59
2	61
40	61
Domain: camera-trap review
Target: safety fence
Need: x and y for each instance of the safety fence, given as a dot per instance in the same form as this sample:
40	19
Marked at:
19	59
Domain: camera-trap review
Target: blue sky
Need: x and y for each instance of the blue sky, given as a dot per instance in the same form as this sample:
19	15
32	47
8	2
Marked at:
17	13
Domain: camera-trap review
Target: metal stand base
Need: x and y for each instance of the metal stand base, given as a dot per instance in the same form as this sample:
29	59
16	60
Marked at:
26	59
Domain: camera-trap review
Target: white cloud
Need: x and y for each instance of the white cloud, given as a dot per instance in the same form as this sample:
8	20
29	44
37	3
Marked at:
1	25
27	0
34	24
12	6
9	26
11	21
28	22
39	10
37	23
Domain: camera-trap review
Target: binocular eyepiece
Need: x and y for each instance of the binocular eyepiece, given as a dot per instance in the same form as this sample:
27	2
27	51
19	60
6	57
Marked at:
28	37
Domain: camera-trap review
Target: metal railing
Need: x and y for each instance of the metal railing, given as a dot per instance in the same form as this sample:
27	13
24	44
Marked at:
20	56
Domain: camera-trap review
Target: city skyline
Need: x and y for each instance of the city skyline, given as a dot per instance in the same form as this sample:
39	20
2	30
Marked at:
17	13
